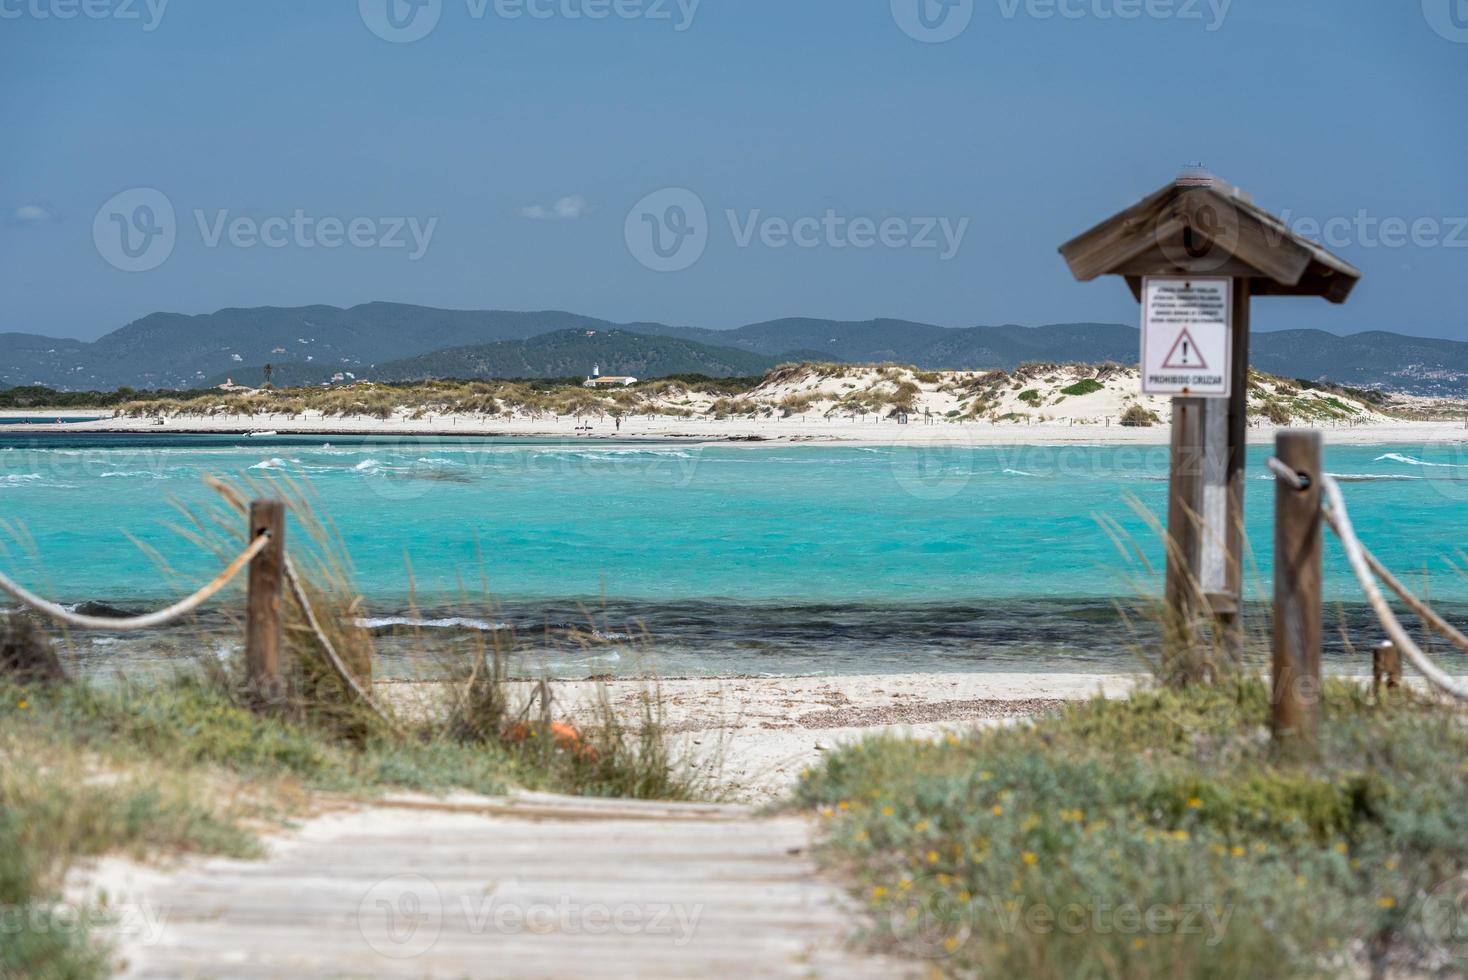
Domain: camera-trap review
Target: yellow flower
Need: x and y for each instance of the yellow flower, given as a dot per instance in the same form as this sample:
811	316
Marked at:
1387	902
1237	851
1030	858
932	857
1139	943
921	826
985	776
843	805
965	897
1195	804
24	705
878	891
1180	835
905	885
953	740
997	810
951	943
1340	847
887	811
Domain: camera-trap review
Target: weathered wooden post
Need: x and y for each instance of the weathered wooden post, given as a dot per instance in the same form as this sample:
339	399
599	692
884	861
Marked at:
1386	665
265	610
1194	253
1298	541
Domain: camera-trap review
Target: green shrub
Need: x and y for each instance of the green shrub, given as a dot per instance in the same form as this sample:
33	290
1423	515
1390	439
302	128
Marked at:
966	849
1083	387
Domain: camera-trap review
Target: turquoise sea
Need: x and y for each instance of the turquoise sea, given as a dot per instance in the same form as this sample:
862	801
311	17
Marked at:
731	558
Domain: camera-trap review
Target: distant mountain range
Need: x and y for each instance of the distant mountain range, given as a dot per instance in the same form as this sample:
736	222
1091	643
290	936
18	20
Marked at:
389	341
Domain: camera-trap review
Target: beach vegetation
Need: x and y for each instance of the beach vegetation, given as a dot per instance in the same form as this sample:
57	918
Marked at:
1085	386
1138	415
1160	835
1275	412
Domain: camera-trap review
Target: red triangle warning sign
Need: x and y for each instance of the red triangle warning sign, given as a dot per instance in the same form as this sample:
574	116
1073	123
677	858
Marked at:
1184	354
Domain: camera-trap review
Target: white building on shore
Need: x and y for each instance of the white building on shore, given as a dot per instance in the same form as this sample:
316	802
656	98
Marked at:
610	381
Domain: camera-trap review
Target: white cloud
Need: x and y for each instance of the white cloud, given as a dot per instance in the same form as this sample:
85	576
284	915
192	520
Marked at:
33	214
566	209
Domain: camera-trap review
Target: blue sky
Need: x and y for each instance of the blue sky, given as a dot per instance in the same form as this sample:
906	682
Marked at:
929	181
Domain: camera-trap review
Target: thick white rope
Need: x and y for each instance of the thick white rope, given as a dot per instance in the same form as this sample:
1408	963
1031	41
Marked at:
1422	609
1340	521
1286	474
160	618
327	647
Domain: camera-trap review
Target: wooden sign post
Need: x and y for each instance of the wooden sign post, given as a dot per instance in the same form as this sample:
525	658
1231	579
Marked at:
1180	250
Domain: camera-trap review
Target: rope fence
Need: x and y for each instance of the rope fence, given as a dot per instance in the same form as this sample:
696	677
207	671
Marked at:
1368	569
271	569
135	623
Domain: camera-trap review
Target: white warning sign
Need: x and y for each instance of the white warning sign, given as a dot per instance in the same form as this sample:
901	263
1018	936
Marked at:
1187	337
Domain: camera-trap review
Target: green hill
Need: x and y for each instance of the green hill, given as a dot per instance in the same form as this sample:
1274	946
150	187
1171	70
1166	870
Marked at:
573	353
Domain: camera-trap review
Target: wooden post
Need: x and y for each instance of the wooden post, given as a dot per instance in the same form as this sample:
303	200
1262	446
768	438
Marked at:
1231	620
265	614
1184	493
1386	664
1297	577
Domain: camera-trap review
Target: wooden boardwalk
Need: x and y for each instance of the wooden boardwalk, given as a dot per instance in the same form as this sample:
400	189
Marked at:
535	886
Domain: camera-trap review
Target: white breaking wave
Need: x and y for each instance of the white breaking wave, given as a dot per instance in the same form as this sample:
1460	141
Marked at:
448	622
1414	461
1017	473
580	453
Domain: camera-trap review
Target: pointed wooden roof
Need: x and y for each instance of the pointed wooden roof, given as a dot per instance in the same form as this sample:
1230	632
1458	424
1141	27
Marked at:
1200	225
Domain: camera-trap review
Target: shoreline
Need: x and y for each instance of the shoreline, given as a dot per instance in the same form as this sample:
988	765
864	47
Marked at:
693	432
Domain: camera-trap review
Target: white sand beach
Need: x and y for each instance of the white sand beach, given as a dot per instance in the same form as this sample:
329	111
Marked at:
791	431
758	734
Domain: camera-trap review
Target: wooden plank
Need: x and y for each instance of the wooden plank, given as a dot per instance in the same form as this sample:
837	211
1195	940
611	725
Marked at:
1214	511
1091	253
406	892
1236	229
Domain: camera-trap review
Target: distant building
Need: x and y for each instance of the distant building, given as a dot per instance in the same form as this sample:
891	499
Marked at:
229	385
610	381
